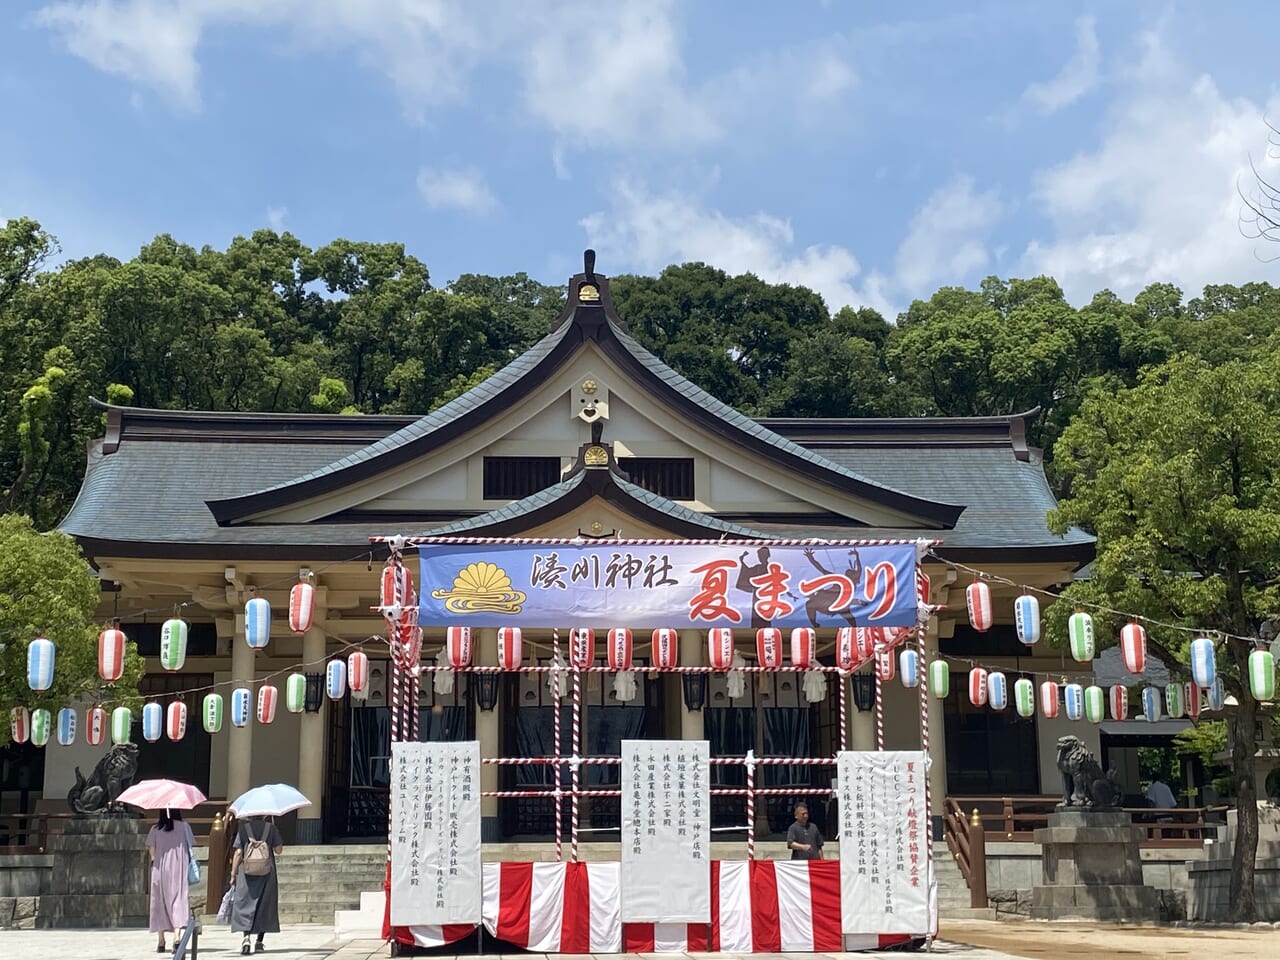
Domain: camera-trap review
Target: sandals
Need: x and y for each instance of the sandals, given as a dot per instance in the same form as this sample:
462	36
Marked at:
245	948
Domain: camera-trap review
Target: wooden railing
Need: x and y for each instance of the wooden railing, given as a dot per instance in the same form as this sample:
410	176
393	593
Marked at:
29	832
967	841
1015	819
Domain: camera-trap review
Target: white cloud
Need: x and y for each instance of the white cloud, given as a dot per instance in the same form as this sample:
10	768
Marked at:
947	239
1078	76
463	190
275	218
1156	200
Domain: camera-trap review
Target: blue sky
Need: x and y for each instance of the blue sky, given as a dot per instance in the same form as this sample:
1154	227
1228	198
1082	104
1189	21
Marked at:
871	153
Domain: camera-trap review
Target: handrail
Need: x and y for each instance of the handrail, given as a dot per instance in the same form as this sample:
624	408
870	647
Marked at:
966	839
27	833
1015	819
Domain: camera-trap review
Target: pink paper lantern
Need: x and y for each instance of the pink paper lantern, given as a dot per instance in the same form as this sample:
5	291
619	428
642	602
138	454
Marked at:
357	671
978	687
1133	647
111	643
978	599
302	606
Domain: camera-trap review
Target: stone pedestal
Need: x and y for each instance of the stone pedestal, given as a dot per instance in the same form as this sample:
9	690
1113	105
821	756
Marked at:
1092	869
1211	878
101	875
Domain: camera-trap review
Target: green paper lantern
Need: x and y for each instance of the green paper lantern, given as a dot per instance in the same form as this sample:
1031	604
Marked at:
212	712
1262	675
121	724
41	725
1095	704
1173	704
1080	635
295	693
1024	697
939	679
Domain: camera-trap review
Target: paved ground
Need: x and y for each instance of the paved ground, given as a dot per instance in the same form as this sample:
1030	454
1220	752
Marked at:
1035	940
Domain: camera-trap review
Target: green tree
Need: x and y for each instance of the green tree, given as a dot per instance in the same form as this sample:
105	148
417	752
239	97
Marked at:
47	589
1178	479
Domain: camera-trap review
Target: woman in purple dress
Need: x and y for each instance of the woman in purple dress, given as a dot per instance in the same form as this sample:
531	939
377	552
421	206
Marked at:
170	842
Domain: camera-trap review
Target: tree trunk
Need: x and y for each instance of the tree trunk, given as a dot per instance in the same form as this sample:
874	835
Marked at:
1242	731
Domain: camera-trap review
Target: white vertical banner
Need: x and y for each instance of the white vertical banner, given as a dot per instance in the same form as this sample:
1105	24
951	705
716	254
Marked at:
666	831
435	833
884	837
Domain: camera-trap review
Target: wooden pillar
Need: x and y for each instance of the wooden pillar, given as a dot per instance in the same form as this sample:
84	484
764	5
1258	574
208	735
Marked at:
240	743
311	752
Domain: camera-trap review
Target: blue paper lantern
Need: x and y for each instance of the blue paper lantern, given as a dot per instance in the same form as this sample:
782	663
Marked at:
1216	695
335	679
152	722
909	668
1073	699
240	706
66	726
40	656
1026	618
1151	703
997	690
257	623
1204	667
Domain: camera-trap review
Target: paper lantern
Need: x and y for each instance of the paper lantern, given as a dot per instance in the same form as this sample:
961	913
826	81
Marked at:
1215	696
884	665
358	671
268	697
1133	647
212	712
1026	618
241	700
846	649
175	720
95	726
1024	697
111	643
20	724
940	679
978	599
909	668
582	647
67	723
1049	699
121	725
618	649
397	584
803	640
173	644
1151	704
257	623
302	606
867	639
152	722
457	647
1173	704
1119	698
1191	699
1073	701
295	693
40	656
335	679
1262	675
997	690
769	647
720	647
1095	704
978	687
1204	667
666	648
41	721
510	648
1080	635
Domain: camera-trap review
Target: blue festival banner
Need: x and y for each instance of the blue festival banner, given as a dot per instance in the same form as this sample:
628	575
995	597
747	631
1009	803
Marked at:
667	585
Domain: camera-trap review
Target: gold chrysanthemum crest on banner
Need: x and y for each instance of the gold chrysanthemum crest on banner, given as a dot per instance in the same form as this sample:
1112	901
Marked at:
481	587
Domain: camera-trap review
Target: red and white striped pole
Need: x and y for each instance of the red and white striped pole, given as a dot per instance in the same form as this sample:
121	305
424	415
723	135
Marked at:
843	680
555	737
750	763
879	713
575	760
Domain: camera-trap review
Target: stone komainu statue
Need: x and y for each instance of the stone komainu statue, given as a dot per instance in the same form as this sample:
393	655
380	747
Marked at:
113	773
1084	783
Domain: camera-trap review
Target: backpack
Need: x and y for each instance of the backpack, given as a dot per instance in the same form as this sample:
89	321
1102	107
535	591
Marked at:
257	855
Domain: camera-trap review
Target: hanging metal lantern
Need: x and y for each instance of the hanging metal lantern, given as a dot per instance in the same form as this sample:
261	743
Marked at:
1215	696
867	639
803	640
884	665
846	649
1191	699
302	606
20	724
997	690
457	647
295	692
152	722
1073	701
582	647
211	712
257	623
1049	699
241	705
1151	704
1262	675
769	647
95	726
1204	666
1119	698
909	668
940	679
1080	634
67	723
268	697
978	687
335	679
111	642
510	648
41	722
1095	704
720	647
666	648
618	649
978	599
1026	619
1133	647
175	720
1173	704
121	725
40	657
1024	697
173	644
358	671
